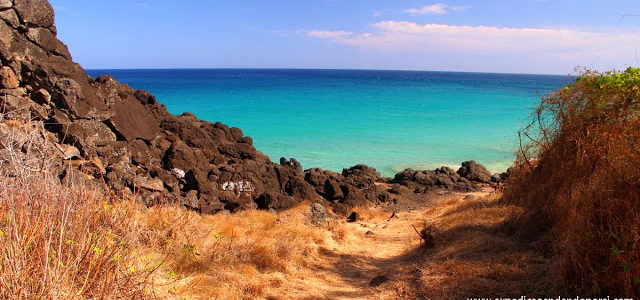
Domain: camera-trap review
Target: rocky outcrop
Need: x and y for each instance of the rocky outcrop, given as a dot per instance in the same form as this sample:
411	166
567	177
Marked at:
133	143
475	172
356	186
122	138
469	178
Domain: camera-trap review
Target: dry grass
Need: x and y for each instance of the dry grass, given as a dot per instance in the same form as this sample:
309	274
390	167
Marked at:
64	241
581	195
373	214
60	241
472	258
236	256
68	240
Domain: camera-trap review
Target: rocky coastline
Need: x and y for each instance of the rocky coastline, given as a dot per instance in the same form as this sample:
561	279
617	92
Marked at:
124	141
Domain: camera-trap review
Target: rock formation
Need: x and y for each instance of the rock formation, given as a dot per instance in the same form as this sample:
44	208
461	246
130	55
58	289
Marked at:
123	139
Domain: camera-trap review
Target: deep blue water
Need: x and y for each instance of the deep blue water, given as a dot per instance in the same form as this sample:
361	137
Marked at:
333	119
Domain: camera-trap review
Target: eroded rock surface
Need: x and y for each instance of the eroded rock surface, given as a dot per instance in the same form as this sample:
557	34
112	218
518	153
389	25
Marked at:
124	139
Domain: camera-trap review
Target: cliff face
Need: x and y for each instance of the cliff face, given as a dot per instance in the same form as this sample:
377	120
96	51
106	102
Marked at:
124	139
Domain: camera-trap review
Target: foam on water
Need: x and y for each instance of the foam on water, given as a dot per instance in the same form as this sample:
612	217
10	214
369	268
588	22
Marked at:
334	119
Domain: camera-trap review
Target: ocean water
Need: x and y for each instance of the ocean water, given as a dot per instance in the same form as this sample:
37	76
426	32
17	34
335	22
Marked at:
333	119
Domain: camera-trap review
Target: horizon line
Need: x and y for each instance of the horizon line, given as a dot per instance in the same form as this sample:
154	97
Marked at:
324	69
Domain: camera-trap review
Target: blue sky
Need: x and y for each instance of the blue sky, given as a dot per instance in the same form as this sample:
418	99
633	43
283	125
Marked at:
523	36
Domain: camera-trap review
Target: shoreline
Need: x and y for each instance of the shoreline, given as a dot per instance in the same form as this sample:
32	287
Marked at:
347	120
392	171
109	135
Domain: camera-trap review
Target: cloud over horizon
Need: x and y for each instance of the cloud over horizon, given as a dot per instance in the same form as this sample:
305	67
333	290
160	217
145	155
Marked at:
434	9
574	45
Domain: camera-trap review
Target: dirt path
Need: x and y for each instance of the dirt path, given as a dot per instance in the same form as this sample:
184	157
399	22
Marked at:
375	250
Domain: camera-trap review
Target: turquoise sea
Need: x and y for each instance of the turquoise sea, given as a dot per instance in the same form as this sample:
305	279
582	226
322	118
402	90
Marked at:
333	119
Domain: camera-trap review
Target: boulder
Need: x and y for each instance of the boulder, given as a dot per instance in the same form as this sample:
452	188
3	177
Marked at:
37	13
442	178
318	215
341	208
361	171
316	177
145	97
210	205
168	179
353	217
474	171
353	196
399	189
332	190
74	94
47	40
292	163
87	133
299	189
140	152
238	150
445	180
361	176
266	201
132	120
198	180
496	177
180	156
41	96
236	133
151	184
9	15
6	4
58	121
426	177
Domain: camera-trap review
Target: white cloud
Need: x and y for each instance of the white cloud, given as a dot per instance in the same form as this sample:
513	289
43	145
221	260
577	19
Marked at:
570	46
328	34
435	9
403	35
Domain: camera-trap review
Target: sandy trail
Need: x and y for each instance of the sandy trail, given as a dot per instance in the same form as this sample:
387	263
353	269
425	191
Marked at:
376	246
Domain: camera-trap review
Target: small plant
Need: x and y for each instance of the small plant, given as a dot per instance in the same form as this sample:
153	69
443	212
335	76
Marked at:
426	234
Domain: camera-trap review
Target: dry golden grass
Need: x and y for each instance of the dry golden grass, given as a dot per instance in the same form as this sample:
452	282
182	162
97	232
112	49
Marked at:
581	196
65	241
373	214
472	258
61	241
69	240
236	256
58	243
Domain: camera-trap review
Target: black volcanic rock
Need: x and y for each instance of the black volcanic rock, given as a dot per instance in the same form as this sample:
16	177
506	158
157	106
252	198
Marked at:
133	120
466	179
475	172
204	165
130	142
